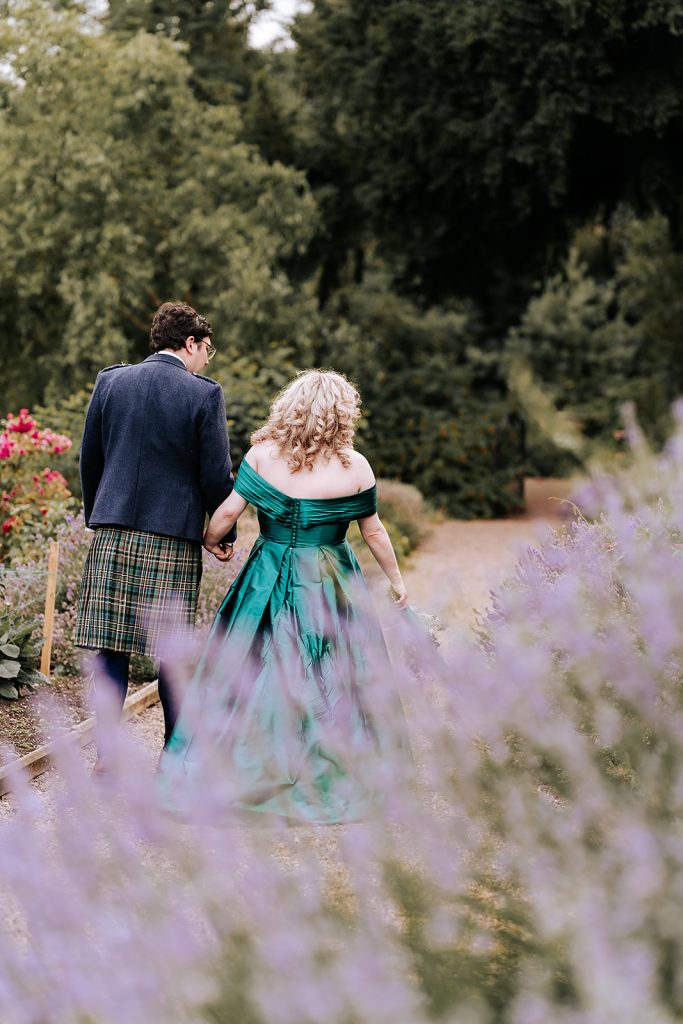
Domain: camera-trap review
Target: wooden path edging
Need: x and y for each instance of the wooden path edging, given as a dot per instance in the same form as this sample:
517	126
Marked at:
39	760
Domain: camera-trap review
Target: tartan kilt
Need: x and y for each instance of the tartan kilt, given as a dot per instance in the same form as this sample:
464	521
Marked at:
138	589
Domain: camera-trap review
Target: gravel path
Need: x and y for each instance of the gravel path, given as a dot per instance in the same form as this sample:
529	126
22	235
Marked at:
461	562
451	575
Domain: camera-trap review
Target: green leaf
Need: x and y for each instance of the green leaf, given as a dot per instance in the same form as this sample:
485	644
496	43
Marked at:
8	691
10	650
9	669
25	630
30	650
32	677
4	638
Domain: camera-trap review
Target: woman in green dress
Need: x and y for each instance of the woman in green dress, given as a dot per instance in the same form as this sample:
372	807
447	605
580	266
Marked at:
292	711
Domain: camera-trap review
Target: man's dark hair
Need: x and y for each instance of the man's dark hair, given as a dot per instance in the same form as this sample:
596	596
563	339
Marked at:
173	323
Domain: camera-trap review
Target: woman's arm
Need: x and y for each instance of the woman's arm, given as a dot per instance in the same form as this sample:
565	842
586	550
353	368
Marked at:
223	520
377	539
225	517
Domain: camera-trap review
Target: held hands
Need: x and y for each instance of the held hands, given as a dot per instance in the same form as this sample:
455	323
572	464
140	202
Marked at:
223	551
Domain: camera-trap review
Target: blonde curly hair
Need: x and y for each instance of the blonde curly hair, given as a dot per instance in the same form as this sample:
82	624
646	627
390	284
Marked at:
316	413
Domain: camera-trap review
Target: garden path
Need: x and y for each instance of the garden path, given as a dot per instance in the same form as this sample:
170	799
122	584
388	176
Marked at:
462	561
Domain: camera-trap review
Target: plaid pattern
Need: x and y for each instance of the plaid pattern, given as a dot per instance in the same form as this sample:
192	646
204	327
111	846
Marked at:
137	589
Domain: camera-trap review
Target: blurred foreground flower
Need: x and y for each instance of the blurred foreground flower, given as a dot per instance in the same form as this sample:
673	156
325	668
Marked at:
527	870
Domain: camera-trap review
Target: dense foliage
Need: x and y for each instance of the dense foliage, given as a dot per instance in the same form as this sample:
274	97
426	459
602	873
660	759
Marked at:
22	601
119	189
605	330
469	138
442	154
436	410
20	646
214	33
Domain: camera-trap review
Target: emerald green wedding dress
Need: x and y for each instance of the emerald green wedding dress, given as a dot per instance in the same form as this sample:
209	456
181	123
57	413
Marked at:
292	712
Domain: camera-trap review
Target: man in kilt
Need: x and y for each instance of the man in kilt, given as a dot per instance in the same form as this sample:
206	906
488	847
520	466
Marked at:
155	459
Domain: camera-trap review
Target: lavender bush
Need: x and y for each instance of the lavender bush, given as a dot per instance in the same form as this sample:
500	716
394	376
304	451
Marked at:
526	867
22	591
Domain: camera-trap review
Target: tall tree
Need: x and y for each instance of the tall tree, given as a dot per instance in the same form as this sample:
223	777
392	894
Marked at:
471	137
214	31
118	190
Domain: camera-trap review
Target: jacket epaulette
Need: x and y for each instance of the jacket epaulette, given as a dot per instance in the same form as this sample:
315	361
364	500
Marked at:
210	380
114	366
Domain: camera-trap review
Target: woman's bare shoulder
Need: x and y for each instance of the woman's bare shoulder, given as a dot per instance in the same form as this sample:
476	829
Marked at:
362	470
258	453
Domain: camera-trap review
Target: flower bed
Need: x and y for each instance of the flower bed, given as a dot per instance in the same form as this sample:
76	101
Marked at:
34	498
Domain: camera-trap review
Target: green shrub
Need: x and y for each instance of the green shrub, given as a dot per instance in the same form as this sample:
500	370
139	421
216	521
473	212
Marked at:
436	410
20	638
403	507
606	330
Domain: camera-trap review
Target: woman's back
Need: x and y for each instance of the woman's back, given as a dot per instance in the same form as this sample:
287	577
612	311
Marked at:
328	478
302	522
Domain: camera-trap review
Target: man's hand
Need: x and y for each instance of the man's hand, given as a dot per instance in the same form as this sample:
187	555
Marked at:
222	551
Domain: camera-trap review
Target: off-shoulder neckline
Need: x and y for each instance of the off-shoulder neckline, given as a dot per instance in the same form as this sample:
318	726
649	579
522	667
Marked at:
290	497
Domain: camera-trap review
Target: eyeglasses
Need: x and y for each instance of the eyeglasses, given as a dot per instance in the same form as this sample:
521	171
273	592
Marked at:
210	350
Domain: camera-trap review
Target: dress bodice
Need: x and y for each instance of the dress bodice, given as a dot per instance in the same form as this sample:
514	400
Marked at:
302	522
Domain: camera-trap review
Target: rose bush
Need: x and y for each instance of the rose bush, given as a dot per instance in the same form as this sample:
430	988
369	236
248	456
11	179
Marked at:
34	498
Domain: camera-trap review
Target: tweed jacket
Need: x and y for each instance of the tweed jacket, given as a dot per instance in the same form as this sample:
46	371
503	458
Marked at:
155	454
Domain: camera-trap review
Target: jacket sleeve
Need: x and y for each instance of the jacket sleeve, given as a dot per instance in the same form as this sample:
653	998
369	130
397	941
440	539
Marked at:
215	465
91	462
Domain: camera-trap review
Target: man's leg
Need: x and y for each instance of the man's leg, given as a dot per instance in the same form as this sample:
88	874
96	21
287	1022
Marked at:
110	689
169	699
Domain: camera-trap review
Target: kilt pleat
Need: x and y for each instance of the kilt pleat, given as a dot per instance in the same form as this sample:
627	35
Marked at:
137	590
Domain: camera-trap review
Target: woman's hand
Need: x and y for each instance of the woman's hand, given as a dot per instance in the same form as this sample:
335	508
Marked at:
220	524
222	551
399	594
